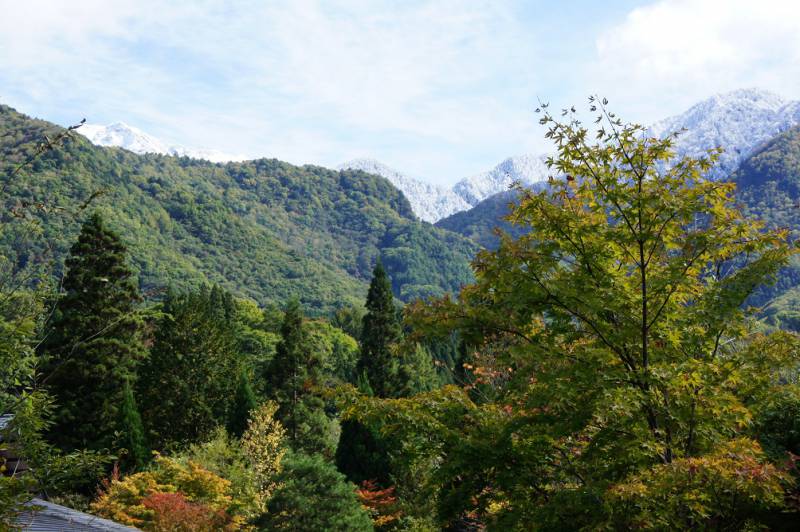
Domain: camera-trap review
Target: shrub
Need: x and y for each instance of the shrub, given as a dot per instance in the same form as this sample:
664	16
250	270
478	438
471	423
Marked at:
130	500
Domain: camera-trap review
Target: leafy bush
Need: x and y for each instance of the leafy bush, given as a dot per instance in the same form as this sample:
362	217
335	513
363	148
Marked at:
207	497
173	513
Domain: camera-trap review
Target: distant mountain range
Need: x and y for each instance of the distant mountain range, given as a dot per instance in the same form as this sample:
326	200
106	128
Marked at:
738	121
263	229
271	230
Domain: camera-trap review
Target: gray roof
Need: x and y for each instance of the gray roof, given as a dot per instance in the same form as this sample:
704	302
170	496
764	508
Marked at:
49	517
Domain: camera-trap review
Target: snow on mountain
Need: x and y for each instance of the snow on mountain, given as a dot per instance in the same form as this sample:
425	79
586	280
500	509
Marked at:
526	169
429	202
122	135
737	121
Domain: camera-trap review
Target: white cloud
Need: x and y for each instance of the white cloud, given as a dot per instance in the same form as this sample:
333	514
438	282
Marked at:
265	78
672	53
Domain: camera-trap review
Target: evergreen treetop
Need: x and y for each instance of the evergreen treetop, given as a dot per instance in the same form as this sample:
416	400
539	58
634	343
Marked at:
94	342
292	377
188	383
380	331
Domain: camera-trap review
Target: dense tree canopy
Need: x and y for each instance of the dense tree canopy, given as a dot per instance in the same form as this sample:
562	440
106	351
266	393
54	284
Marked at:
609	349
188	384
293	378
605	370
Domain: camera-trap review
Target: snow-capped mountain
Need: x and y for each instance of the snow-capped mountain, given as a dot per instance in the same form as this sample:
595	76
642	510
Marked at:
737	121
429	202
526	169
122	135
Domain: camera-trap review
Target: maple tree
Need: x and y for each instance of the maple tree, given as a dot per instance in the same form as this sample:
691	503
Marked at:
609	342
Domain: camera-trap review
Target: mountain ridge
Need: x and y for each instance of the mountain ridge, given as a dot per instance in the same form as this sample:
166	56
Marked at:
429	202
263	229
738	120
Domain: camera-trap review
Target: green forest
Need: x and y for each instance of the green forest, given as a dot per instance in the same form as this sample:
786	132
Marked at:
264	230
260	346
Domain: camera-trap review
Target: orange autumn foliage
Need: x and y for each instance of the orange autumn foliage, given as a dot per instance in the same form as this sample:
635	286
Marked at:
379	503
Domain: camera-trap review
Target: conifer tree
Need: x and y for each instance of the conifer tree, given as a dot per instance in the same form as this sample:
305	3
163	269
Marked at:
244	402
362	454
132	430
188	383
416	372
291	377
94	341
380	330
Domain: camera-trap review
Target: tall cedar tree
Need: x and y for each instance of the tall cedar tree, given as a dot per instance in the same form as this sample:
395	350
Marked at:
379	332
94	342
362	454
244	402
137	453
187	384
291	377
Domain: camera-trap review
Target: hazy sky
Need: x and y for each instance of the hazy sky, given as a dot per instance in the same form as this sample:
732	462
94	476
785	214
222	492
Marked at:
439	90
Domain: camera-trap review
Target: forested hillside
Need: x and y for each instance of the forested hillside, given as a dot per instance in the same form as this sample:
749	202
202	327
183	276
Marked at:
768	186
481	221
264	229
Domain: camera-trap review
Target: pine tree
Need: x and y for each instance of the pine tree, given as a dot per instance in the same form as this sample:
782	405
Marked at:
291	377
244	402
133	431
94	341
187	384
379	332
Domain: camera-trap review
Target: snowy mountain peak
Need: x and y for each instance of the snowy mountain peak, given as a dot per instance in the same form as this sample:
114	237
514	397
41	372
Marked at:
736	121
133	139
429	202
526	169
753	97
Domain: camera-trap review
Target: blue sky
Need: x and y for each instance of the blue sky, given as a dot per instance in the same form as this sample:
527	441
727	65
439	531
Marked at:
439	90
